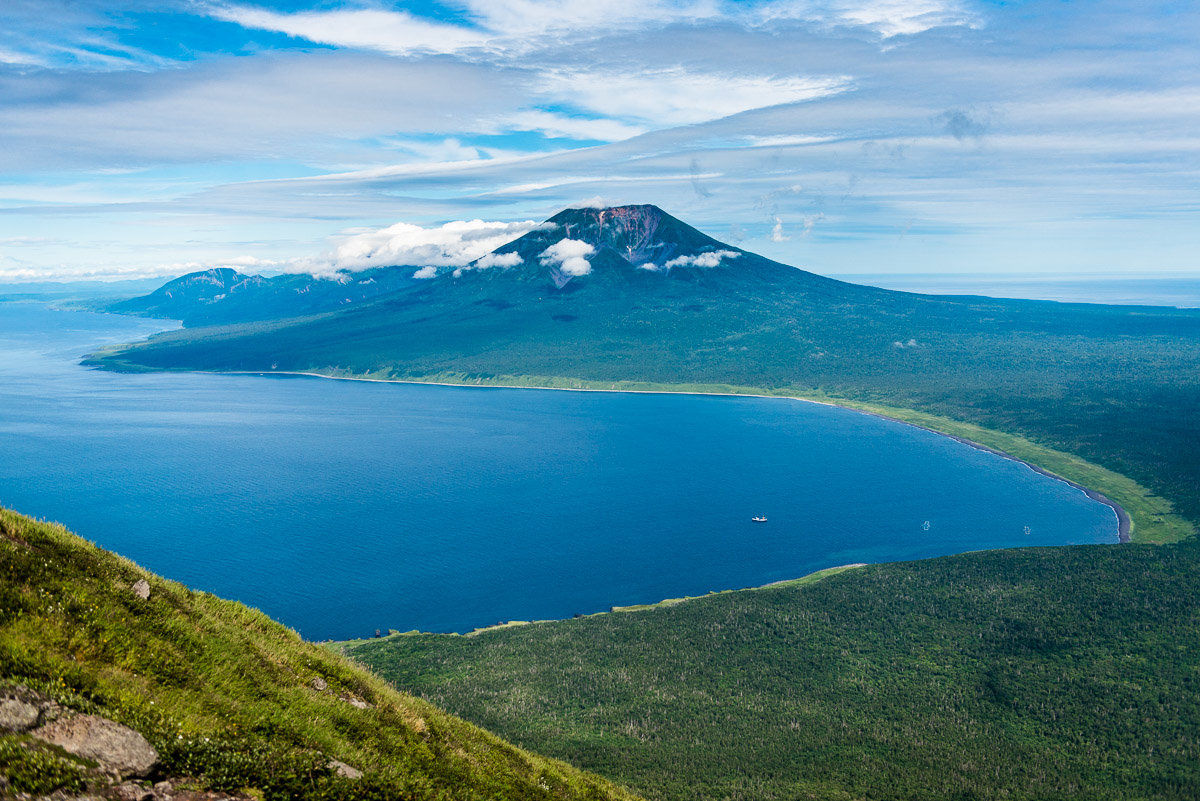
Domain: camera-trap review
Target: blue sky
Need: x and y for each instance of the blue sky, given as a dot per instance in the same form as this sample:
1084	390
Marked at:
845	136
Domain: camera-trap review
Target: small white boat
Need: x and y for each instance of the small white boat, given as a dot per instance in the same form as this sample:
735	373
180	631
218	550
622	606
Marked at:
762	519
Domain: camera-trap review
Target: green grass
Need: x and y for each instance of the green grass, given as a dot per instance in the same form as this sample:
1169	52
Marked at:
225	694
1043	673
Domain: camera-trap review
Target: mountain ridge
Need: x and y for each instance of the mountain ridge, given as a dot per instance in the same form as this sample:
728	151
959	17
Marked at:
223	295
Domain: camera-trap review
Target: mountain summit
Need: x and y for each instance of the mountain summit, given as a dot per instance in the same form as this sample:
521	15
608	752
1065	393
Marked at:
619	242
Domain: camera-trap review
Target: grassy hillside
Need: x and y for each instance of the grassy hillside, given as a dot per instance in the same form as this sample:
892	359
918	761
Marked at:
1027	674
226	695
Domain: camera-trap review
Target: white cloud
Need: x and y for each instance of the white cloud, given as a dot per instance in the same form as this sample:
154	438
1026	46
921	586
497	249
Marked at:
777	234
679	97
710	259
20	59
394	32
425	273
513	27
511	259
320	107
569	255
454	244
560	126
447	150
529	18
902	17
887	18
489	260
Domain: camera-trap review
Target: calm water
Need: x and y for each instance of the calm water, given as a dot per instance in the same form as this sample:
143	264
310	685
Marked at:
1179	291
342	507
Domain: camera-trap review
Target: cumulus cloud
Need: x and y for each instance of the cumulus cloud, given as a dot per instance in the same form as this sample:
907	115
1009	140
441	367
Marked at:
777	234
489	260
455	244
569	255
511	259
710	259
425	273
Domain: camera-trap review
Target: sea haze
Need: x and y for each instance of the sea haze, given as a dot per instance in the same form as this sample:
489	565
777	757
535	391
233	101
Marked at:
341	507
1179	291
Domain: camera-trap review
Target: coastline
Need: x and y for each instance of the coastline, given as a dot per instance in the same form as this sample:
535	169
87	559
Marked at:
1124	521
807	578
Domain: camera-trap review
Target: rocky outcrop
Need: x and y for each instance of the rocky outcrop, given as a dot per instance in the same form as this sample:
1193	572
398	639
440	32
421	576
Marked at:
22	709
122	758
17	715
141	588
115	748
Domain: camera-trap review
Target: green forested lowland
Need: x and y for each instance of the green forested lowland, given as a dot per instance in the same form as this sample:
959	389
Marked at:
231	700
1046	673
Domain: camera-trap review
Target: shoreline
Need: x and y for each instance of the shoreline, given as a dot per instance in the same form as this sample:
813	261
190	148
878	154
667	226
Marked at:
1124	521
807	578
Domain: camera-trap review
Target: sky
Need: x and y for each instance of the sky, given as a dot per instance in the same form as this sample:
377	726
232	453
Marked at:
156	137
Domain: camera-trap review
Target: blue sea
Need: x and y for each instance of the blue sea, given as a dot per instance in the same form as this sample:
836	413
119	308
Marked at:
343	507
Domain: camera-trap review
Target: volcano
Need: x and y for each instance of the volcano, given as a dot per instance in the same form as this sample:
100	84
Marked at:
632	293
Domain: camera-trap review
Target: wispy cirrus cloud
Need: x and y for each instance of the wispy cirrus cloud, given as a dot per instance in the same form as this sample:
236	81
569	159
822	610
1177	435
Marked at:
397	33
499	27
679	96
820	132
887	18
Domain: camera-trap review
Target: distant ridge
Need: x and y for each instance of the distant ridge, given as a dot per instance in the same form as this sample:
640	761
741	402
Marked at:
223	295
616	249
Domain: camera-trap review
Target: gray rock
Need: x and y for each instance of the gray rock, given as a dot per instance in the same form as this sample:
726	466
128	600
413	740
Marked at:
17	715
199	795
116	748
141	588
129	791
356	702
342	769
319	684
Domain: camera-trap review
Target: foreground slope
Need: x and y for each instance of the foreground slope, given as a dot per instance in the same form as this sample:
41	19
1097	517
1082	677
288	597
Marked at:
1047	673
1117	385
225	696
